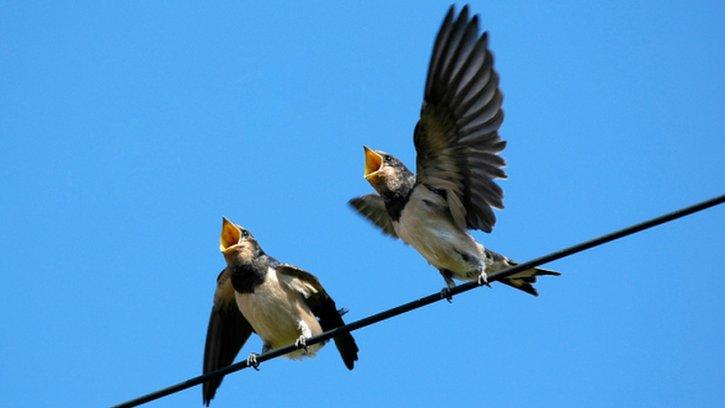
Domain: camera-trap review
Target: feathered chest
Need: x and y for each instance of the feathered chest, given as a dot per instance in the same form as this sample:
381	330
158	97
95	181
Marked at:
275	311
426	225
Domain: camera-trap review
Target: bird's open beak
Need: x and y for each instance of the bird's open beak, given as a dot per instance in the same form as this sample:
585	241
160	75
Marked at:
230	235
373	162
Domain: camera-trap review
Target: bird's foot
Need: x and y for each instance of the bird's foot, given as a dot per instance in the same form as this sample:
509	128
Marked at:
483	279
252	361
446	294
302	342
450	284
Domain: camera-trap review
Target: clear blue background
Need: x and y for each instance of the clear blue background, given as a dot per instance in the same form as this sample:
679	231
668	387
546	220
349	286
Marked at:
128	130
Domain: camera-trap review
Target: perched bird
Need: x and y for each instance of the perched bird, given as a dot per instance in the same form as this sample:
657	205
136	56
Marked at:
256	293
457	146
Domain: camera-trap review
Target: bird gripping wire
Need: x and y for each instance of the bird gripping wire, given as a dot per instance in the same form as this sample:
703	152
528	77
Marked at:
424	301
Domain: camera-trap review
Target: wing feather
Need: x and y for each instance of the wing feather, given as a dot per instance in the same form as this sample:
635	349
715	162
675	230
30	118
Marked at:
227	332
456	138
372	207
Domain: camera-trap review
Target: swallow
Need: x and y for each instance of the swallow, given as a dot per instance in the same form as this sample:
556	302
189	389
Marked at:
457	160
280	302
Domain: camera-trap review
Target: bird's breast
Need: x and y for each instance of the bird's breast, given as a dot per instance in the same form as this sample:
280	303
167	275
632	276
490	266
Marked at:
276	312
426	225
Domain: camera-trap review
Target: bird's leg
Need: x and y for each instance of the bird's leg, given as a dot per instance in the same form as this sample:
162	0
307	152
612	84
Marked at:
450	284
302	341
252	361
483	278
305	333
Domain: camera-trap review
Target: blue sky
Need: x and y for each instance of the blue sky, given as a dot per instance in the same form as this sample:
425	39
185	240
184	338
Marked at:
128	129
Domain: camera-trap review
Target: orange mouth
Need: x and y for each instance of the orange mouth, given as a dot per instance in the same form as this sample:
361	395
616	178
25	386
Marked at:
230	235
373	162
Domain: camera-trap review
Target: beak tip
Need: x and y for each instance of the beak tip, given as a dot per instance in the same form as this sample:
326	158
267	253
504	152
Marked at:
373	162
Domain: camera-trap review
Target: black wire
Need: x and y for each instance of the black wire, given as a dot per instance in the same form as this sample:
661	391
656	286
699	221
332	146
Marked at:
424	301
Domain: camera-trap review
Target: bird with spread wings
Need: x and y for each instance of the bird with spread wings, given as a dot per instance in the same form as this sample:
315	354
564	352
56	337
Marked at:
458	159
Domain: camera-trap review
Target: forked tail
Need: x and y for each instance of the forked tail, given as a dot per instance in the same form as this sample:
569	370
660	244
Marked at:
523	280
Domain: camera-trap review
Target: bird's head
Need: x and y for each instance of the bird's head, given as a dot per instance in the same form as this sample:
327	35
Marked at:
237	244
386	173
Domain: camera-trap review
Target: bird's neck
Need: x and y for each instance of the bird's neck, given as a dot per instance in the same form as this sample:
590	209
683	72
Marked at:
395	200
247	276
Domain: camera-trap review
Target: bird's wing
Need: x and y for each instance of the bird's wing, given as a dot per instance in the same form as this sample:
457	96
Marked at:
227	332
456	138
323	307
372	207
300	280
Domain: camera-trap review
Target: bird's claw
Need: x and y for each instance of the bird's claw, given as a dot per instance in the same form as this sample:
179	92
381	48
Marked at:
483	279
252	361
446	294
302	341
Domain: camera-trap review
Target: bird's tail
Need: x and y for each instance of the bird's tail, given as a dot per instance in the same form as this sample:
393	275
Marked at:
344	342
523	280
346	345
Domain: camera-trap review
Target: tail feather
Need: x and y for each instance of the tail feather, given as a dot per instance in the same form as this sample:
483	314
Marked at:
344	342
546	272
525	280
347	347
520	285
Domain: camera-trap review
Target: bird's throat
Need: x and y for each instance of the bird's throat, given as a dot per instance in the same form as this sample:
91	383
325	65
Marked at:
248	276
395	202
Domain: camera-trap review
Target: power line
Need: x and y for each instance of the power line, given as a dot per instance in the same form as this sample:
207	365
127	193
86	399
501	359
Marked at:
424	301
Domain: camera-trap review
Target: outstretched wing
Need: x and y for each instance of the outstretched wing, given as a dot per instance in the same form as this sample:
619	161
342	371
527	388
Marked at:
372	207
322	305
456	138
227	332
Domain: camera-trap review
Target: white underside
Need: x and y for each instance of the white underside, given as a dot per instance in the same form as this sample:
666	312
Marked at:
279	315
432	233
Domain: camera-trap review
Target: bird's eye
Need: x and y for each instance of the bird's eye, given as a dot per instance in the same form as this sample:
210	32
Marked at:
245	233
387	157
